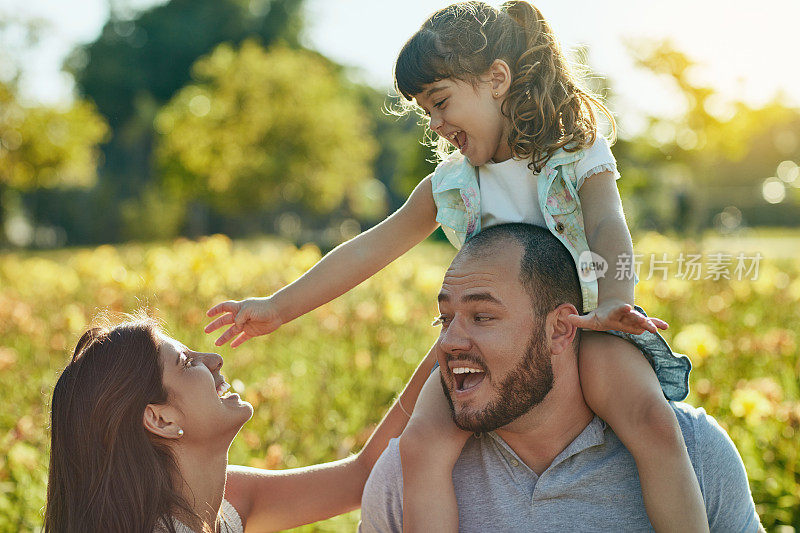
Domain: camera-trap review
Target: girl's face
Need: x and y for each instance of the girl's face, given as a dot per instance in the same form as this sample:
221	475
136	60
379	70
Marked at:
197	396
468	116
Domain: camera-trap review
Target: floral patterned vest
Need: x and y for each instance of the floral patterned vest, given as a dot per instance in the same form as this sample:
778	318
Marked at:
458	206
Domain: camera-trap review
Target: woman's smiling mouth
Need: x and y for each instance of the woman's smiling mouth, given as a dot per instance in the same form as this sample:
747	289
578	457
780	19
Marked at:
222	389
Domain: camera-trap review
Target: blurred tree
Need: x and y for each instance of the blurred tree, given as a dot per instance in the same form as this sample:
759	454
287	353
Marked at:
262	129
149	56
712	157
136	65
403	158
40	146
48	147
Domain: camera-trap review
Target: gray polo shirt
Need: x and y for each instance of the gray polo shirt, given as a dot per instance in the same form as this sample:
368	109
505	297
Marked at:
592	485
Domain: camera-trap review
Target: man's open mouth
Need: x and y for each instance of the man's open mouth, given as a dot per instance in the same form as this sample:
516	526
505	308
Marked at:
467	377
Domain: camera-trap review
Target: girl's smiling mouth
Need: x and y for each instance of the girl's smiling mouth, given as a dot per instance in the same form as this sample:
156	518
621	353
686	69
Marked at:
458	139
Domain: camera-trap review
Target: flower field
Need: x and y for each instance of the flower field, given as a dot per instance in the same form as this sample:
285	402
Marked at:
319	384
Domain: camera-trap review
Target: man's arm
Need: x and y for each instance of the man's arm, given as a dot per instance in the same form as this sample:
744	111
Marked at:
382	500
729	503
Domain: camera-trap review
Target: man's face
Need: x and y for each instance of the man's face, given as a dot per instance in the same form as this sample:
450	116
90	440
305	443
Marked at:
494	361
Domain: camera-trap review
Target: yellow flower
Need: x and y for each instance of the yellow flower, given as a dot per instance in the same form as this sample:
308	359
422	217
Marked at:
697	340
750	404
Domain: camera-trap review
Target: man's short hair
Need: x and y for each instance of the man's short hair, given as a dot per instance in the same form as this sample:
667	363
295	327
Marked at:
547	270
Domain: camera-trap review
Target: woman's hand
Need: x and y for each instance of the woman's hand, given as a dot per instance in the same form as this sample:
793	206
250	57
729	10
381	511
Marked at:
247	319
620	316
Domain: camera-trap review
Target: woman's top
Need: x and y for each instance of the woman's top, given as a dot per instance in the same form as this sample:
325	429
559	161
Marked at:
230	522
553	193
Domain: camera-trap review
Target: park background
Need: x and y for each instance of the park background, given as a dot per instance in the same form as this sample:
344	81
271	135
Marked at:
194	151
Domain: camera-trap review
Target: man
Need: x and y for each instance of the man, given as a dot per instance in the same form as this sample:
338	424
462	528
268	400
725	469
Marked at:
542	461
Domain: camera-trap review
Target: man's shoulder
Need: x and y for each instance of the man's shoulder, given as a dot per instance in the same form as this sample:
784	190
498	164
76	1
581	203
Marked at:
700	430
382	499
719	469
387	473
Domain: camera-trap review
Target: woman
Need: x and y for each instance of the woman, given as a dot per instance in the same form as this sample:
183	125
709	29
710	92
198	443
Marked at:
141	427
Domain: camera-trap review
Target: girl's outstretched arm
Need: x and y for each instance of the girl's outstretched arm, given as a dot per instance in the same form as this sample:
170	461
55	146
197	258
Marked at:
343	268
273	500
608	236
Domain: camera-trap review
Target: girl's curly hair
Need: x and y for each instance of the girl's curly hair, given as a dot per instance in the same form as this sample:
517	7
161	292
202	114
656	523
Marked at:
546	106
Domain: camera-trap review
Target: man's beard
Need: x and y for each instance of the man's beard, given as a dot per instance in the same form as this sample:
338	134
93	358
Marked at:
523	388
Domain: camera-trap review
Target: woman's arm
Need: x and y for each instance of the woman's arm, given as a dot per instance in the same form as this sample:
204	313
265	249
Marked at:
343	268
279	499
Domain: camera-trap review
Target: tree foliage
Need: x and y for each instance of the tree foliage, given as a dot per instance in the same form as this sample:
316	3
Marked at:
47	147
711	158
259	129
151	54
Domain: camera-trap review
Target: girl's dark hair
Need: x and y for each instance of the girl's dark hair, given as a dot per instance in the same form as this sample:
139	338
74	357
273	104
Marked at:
107	472
546	106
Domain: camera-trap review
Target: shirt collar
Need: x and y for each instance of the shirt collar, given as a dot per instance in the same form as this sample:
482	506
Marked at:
456	172
592	435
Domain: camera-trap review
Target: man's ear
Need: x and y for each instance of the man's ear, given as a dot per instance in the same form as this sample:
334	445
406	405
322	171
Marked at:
560	329
499	77
160	420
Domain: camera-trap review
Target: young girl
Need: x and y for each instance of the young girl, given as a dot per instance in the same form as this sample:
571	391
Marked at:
496	87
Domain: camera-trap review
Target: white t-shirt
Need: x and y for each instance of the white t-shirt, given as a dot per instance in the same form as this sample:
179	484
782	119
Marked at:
232	522
509	190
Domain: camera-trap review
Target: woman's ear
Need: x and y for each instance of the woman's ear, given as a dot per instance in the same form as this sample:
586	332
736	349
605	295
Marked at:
159	420
500	77
561	330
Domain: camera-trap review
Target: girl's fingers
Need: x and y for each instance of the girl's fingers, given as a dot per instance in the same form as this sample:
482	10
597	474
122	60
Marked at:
229	306
224	320
633	330
575	319
230	333
581	321
660	324
243	337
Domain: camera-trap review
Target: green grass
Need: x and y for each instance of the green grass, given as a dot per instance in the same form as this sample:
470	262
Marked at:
320	384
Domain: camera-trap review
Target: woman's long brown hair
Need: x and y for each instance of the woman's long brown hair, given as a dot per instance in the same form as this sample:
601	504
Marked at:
545	105
107	473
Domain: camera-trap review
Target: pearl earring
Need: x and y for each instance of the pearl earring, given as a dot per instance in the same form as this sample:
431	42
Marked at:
180	433
496	94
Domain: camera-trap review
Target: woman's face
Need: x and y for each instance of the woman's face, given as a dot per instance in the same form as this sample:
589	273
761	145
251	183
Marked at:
196	392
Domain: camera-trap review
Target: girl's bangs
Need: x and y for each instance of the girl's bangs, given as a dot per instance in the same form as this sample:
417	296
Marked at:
419	64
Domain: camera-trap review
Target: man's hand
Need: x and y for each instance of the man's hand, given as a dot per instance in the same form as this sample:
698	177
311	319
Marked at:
247	318
620	316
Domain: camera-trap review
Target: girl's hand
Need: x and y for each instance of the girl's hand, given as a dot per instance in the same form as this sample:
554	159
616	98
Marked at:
620	316
247	318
